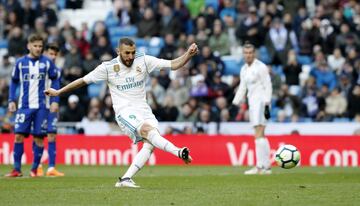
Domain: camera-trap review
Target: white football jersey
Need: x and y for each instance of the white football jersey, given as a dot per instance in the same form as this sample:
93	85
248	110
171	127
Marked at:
127	84
255	79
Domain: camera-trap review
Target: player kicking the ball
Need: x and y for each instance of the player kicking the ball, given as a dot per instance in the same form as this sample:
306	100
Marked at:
126	76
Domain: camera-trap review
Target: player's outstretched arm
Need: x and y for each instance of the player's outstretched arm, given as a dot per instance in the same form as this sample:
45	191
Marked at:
68	88
183	59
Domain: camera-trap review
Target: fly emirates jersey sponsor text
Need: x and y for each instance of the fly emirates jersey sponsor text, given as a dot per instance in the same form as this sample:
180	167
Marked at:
127	84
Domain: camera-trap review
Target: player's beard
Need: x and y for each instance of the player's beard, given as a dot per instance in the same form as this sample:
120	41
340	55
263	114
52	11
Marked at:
249	60
127	63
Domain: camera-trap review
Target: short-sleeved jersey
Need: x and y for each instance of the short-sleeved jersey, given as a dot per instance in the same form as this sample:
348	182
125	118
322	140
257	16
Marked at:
32	75
126	84
254	79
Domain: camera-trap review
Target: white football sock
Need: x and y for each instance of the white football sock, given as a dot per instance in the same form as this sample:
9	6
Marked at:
140	159
262	150
266	149
258	153
160	142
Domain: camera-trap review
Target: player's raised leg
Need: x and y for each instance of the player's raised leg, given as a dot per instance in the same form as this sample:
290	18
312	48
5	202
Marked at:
151	134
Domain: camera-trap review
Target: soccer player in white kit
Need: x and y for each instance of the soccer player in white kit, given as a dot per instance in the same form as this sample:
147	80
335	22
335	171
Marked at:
126	77
255	80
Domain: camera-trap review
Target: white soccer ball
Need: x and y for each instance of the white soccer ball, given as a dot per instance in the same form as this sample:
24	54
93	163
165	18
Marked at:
287	156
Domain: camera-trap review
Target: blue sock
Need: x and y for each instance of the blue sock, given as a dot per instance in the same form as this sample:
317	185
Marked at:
37	152
18	152
52	153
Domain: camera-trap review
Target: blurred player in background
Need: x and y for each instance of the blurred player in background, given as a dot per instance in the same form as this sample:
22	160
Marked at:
30	74
255	80
126	76
51	51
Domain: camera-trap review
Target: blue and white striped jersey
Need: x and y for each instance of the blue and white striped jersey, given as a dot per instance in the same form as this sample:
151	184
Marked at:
32	76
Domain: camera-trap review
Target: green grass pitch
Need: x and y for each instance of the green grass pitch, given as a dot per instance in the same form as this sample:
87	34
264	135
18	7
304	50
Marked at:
185	185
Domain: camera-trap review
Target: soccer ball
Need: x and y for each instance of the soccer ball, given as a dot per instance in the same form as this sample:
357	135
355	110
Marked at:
287	156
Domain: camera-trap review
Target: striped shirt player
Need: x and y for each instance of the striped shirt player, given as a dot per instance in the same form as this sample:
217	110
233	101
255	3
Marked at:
126	76
30	75
255	80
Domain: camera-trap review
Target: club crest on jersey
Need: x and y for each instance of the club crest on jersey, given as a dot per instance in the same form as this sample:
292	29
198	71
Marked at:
116	69
42	65
138	69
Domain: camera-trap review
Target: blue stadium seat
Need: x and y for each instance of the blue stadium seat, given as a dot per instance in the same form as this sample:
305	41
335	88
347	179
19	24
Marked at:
61	4
110	15
264	55
303	59
141	49
153	51
232	66
213	3
111	22
114	42
118	32
278	70
115	31
343	119
272	119
273	112
140	42
3	44
189	29
273	103
2	111
157	42
71	131
94	90
306	119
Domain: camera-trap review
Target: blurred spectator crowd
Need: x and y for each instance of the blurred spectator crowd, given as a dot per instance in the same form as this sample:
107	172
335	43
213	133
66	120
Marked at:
310	46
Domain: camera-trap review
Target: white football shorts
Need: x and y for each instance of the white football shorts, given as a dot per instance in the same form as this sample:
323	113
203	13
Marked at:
131	118
256	113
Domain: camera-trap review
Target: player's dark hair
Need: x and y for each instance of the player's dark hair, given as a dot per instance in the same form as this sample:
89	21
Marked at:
52	46
35	37
126	41
249	45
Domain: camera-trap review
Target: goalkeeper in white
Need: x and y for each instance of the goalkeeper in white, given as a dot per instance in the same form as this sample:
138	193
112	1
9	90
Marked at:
255	80
126	76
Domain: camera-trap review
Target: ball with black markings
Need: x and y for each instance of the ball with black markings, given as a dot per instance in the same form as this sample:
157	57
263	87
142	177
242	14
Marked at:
287	156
